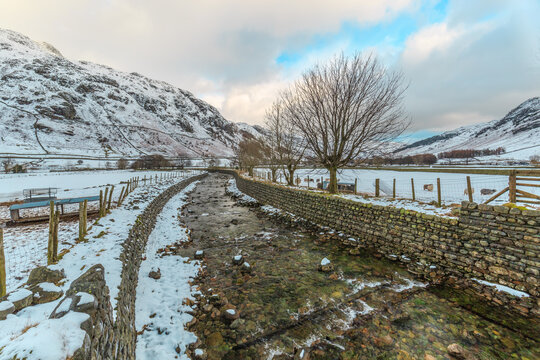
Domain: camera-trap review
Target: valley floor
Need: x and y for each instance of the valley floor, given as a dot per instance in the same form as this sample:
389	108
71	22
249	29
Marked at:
262	296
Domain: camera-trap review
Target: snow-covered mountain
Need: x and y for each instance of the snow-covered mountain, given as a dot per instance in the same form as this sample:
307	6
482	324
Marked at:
518	132
49	104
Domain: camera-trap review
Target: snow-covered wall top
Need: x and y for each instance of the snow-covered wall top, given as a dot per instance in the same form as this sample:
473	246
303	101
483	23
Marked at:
518	132
49	104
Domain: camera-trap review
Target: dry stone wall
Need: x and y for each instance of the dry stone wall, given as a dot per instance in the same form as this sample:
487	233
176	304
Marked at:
124	328
491	243
106	338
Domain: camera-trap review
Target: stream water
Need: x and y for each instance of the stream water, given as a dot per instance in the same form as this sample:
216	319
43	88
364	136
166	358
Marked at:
282	307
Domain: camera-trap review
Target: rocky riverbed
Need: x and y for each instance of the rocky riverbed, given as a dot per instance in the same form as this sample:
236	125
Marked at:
272	290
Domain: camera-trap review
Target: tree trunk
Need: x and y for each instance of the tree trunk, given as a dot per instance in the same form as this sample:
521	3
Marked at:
290	178
274	174
332	187
250	171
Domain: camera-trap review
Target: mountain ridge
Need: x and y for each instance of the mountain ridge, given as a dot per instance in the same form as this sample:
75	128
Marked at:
54	105
518	132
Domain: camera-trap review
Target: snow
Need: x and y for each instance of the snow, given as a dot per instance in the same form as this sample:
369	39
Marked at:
199	252
517	132
453	186
49	287
4	305
199	352
85	298
325	262
126	114
19	295
238	257
31	336
246	264
70	183
64	306
233	190
409	284
503	288
163	298
230	312
38	337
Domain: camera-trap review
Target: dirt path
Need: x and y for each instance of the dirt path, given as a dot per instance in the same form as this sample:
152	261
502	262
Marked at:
275	303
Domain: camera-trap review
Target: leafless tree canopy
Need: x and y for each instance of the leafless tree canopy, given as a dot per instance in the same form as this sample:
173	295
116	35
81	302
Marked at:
250	153
346	109
288	146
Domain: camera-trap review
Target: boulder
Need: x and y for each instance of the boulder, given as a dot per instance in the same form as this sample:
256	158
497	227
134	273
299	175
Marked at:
46	292
302	354
43	274
245	268
230	313
156	275
20	298
238	259
6	308
199	255
326	265
199	354
457	352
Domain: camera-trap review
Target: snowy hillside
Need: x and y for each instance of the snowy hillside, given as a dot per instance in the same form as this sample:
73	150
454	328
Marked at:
518	132
49	104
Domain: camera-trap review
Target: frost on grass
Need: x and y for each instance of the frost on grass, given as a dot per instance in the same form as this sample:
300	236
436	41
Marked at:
161	311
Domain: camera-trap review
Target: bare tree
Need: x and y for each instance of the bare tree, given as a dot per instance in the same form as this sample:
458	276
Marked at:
346	110
6	164
250	153
122	163
288	146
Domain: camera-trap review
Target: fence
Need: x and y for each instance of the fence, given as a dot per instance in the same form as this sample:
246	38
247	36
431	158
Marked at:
429	187
23	248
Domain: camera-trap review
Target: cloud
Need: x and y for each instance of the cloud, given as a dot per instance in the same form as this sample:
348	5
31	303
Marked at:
463	57
470	69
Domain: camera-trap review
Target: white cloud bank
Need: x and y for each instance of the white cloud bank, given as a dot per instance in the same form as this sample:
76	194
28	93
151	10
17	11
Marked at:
225	51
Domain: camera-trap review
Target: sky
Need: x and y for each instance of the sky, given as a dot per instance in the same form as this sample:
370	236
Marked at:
464	61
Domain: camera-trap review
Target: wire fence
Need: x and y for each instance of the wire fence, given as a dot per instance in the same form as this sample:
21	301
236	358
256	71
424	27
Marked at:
418	186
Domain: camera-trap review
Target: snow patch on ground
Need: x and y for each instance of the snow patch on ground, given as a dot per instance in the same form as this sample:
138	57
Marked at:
233	190
31	335
503	288
159	303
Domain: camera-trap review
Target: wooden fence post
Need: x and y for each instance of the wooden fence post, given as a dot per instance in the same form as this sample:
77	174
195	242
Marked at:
394	189
2	265
100	203
110	199
412	187
52	246
439	192
119	202
85	217
355	185
55	237
469	189
81	220
512	187
308	182
376	187
104	207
